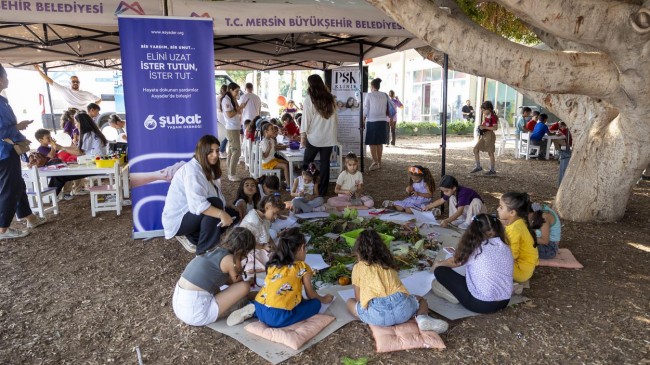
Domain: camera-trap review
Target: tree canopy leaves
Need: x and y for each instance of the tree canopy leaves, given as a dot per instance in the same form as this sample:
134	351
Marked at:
497	19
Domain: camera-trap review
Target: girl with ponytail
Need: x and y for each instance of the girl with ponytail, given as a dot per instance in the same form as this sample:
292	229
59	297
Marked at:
280	302
513	212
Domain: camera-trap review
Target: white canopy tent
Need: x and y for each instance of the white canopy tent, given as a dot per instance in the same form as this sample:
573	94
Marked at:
262	35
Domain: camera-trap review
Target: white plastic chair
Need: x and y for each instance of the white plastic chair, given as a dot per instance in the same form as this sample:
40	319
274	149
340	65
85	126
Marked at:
525	148
506	137
262	171
246	151
36	194
113	189
252	168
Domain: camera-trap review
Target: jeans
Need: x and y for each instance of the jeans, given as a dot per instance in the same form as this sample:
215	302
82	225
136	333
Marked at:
277	318
457	285
203	230
387	311
310	155
223	145
13	193
547	251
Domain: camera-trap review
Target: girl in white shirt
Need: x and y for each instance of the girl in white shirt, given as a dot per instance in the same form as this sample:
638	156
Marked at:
305	192
195	206
349	187
258	221
375	112
232	115
91	139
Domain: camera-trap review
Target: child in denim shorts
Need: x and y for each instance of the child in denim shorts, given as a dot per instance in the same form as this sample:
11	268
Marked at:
380	298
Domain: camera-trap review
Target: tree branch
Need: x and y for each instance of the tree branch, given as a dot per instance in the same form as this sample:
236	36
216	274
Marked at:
559	44
446	28
582	21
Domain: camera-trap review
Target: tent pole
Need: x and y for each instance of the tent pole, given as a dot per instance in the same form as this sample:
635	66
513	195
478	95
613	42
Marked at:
49	98
445	79
361	149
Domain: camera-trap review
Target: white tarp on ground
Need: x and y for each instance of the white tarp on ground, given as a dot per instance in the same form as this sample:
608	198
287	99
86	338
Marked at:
349	17
76	12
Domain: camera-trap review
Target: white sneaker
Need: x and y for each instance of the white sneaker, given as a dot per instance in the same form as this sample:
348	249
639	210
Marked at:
13	233
439	290
240	315
187	245
387	203
234	178
39	221
426	323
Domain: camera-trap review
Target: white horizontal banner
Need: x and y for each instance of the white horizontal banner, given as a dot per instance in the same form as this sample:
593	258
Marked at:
77	12
255	18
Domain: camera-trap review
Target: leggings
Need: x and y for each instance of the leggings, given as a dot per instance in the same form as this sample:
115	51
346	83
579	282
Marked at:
342	201
301	205
203	230
457	285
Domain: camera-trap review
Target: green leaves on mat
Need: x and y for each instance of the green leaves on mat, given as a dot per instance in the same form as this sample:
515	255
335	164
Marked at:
350	361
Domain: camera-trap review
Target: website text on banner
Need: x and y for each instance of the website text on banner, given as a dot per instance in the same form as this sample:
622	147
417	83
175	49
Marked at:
346	87
79	12
168	73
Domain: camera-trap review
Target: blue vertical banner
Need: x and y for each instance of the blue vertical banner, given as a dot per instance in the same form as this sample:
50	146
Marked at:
168	77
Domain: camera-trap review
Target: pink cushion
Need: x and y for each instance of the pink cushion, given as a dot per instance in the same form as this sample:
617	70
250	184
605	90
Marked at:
564	258
405	336
293	336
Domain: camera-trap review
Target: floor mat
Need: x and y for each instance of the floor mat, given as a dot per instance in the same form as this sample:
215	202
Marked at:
276	353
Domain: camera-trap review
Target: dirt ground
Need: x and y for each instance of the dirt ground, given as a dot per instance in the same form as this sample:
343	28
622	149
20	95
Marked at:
79	290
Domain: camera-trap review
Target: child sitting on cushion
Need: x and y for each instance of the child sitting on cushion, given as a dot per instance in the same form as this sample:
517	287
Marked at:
380	298
280	302
548	229
487	285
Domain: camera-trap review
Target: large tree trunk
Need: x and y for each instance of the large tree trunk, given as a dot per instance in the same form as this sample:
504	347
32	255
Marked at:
602	95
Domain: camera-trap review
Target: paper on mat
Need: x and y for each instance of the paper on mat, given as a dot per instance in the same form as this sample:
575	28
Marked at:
419	283
281	224
425	217
346	294
312	215
315	261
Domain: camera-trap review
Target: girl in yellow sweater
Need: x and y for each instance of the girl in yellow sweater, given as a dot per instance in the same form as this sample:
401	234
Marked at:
513	212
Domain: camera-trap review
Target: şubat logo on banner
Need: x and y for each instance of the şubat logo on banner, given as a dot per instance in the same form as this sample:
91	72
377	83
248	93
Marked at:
172	121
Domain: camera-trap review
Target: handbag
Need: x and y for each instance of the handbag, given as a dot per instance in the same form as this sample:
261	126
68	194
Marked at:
19	147
390	108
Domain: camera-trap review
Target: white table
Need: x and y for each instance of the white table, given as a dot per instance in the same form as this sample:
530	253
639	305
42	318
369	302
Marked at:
82	169
549	139
292	156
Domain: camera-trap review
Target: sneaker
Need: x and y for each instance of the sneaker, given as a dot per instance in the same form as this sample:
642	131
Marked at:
187	245
491	172
39	221
476	169
233	178
13	233
240	315
386	203
82	192
68	197
517	288
439	290
126	202
426	323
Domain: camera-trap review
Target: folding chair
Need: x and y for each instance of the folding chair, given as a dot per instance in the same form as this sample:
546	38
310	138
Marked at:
112	193
526	149
36	194
262	171
505	137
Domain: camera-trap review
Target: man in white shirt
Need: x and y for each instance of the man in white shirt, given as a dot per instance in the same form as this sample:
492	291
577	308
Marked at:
72	95
253	104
